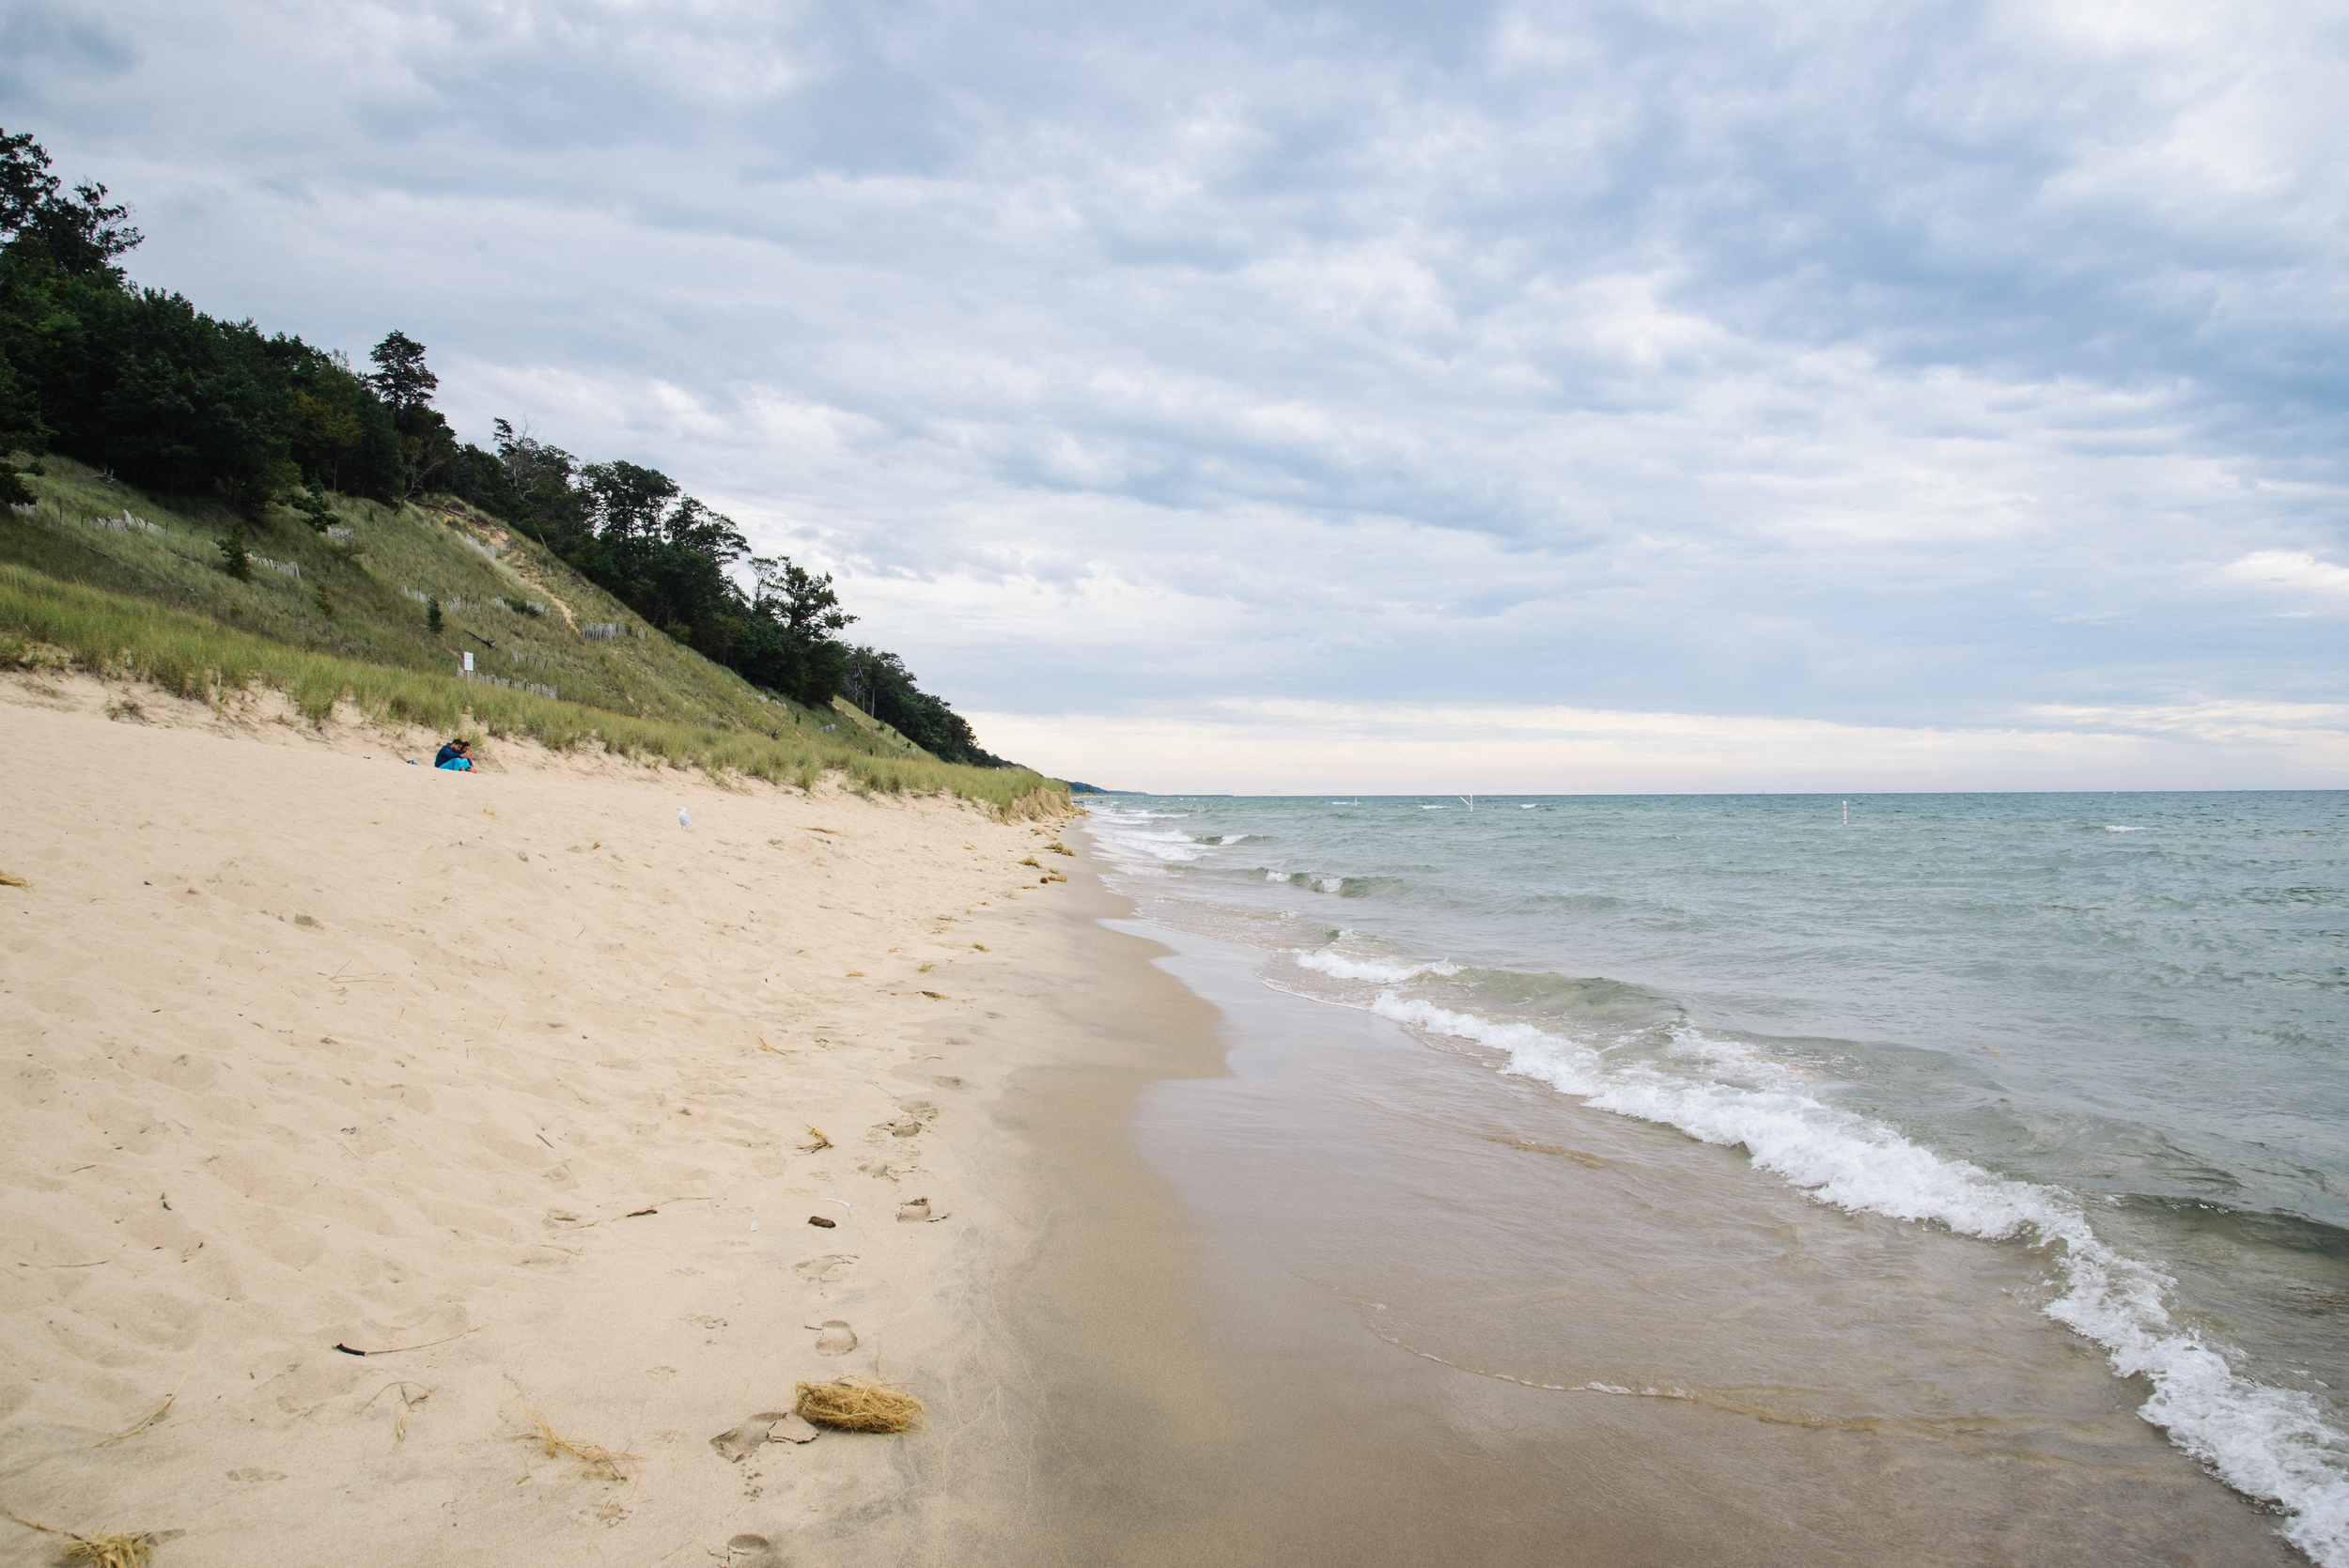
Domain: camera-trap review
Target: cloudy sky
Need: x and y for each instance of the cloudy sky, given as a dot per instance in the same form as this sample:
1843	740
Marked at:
1371	396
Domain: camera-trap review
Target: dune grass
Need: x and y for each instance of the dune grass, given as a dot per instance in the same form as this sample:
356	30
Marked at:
43	620
363	590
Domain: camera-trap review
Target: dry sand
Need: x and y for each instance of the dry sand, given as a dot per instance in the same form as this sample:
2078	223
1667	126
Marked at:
508	1080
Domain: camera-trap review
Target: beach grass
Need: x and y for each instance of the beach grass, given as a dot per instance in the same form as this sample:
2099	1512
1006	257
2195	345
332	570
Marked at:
362	591
44	621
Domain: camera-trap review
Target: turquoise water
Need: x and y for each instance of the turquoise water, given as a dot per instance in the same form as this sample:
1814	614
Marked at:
2113	1027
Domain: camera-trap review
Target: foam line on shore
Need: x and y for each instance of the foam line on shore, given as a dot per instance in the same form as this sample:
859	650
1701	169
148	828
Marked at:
2267	1442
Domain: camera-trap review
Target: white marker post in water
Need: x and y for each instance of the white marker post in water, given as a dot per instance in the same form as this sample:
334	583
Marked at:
1847	814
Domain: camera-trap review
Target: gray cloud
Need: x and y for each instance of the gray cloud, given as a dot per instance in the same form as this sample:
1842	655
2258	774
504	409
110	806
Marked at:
1881	365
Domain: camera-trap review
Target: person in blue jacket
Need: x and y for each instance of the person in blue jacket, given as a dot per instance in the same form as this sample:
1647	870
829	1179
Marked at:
457	755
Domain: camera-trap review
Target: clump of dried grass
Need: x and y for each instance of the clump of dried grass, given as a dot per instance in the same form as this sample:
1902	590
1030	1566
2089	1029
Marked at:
106	1549
109	1550
602	1464
858	1404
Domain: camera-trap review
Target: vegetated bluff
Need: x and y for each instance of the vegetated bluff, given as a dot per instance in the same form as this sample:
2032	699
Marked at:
140	383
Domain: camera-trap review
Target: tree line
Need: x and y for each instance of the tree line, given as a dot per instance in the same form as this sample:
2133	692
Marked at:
140	382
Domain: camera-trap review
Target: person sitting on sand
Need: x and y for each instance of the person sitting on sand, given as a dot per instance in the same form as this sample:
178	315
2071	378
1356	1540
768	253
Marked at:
457	755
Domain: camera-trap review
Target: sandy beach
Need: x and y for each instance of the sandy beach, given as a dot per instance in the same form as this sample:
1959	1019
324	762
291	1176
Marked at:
365	1117
512	1083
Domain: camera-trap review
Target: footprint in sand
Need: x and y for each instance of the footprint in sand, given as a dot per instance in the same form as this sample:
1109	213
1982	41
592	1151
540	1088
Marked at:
738	1443
793	1428
834	1337
825	1269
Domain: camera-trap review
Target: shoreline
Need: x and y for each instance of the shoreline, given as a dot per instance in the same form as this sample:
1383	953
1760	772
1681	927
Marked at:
508	1078
1492	1324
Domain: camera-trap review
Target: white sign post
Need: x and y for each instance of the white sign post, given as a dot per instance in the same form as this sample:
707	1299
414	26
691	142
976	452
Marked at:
467	656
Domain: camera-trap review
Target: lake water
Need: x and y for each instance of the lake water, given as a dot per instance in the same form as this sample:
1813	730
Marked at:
2103	1039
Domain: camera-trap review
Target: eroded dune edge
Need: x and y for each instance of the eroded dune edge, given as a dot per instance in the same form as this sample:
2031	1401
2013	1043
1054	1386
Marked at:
512	1083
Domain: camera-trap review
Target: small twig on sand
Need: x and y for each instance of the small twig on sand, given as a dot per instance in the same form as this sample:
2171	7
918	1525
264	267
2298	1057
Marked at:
407	1402
821	1142
153	1417
398	1349
632	1214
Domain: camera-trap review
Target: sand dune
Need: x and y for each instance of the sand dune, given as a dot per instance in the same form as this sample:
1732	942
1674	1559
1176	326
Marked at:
506	1080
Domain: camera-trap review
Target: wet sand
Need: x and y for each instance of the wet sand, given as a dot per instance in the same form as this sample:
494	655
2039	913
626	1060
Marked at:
1411	1270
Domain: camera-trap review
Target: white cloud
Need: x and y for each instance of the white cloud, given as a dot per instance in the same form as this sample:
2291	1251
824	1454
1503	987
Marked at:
1272	748
2296	572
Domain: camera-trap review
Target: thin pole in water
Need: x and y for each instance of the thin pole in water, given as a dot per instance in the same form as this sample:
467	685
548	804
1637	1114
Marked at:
1847	814
1471	800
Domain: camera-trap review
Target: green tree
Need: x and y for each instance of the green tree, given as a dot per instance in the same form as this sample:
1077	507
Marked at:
189	403
880	684
805	604
426	445
82	234
21	431
401	377
339	433
631	502
314	509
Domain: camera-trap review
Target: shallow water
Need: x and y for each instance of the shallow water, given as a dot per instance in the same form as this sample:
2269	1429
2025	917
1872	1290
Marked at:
2089	1046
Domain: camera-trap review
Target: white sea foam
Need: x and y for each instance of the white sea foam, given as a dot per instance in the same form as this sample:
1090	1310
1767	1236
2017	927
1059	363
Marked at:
1732	1057
1338	967
2267	1442
1134	846
2122	828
